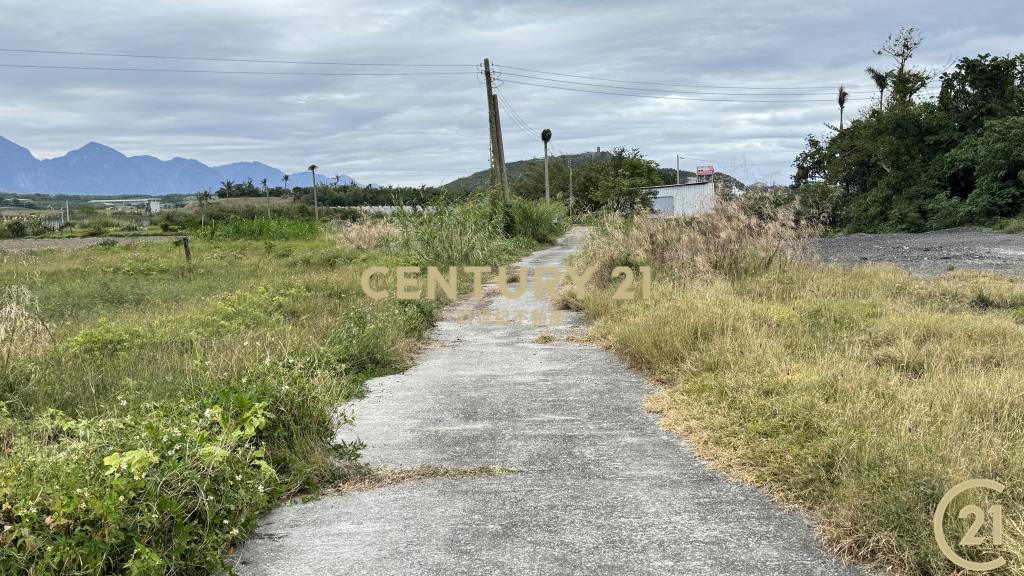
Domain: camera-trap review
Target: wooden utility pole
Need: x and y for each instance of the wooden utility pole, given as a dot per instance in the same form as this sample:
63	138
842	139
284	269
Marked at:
499	175
570	186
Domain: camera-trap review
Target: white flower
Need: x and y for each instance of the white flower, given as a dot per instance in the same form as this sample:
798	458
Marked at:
234	532
260	488
284	388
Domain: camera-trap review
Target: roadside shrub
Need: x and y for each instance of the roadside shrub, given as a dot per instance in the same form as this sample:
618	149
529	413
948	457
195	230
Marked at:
162	489
456	235
16	229
543	222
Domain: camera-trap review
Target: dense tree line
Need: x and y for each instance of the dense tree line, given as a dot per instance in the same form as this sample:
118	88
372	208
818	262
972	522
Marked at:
915	164
615	181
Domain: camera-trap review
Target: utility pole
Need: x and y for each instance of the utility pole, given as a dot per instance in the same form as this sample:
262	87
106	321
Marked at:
677	170
545	136
499	176
570	186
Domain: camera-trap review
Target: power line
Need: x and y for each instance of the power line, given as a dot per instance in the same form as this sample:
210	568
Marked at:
213	59
521	123
683	85
234	72
777	101
662	90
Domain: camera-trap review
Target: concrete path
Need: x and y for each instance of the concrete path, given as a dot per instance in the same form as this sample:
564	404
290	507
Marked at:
600	489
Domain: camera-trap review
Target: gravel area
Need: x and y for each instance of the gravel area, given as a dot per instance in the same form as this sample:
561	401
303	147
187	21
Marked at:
930	253
28	244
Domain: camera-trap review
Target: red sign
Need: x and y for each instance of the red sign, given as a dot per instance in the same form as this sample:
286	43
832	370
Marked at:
705	170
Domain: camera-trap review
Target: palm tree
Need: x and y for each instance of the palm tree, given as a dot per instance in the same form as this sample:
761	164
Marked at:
881	80
545	136
316	206
842	96
266	192
227	189
285	179
337	179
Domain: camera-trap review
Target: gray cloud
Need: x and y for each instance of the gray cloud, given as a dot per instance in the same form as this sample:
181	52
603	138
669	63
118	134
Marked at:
429	129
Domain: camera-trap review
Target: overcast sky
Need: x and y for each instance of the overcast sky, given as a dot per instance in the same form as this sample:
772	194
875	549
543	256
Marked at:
432	128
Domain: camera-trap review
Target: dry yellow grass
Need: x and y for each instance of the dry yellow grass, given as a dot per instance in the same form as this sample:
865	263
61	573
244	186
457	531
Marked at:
860	394
369	234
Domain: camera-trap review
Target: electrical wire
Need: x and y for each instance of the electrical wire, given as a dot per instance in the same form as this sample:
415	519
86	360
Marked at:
662	90
516	117
212	59
775	101
231	72
601	79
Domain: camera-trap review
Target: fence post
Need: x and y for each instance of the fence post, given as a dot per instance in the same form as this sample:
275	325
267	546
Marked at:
188	250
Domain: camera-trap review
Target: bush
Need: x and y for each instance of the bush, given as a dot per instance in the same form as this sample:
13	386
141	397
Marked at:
169	490
16	229
456	235
543	222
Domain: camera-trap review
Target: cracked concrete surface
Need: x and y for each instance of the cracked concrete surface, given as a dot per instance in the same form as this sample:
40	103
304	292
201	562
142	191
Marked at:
599	487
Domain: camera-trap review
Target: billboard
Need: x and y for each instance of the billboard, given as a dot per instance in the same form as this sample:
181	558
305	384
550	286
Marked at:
705	170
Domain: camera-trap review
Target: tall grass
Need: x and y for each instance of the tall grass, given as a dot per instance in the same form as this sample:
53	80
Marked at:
861	394
153	408
262	229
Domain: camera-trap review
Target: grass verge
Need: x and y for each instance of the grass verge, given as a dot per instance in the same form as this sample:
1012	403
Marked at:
861	394
153	408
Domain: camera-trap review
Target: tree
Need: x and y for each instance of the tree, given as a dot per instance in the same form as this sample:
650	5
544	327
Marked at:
982	88
881	80
285	179
316	205
545	137
266	192
995	159
905	81
841	98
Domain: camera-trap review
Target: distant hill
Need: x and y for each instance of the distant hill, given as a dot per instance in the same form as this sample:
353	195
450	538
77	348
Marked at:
478	180
95	169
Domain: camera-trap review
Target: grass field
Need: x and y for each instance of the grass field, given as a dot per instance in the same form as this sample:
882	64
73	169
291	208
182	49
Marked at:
153	408
860	394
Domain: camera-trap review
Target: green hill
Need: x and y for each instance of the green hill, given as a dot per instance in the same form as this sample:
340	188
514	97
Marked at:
480	180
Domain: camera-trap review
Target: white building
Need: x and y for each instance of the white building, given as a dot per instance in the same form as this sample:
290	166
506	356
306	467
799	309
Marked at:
149	205
687	199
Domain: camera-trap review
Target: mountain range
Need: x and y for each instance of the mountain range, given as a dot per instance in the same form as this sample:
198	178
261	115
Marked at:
95	169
